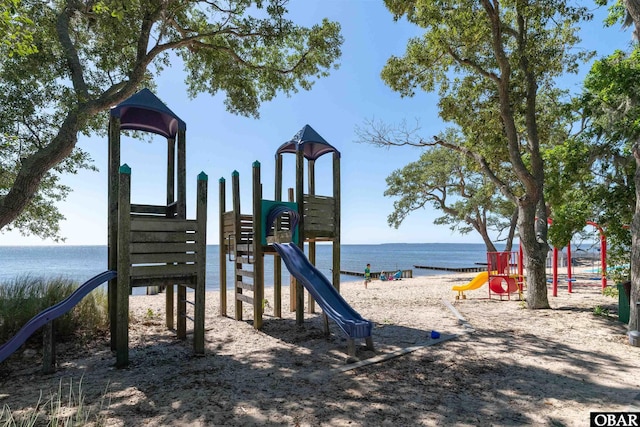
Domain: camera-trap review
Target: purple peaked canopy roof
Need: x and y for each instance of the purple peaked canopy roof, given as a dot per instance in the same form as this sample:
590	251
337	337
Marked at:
310	142
144	111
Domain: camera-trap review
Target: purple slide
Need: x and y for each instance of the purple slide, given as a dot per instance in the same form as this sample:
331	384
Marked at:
323	292
52	313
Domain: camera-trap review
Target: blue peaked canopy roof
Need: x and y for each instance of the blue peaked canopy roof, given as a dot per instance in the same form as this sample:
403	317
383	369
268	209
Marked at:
310	142
144	111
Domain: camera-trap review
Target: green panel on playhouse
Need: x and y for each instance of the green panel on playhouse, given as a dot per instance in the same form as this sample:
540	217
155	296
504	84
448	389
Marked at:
270	206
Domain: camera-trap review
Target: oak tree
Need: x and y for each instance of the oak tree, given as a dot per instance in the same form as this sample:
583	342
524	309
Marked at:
92	54
489	61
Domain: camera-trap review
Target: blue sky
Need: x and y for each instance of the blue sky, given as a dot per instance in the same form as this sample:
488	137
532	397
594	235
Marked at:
219	143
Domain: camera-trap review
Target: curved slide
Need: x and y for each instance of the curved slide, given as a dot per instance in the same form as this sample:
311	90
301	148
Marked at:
476	283
323	292
53	312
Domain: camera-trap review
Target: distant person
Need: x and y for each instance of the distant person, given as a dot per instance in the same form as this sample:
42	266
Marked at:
383	276
367	275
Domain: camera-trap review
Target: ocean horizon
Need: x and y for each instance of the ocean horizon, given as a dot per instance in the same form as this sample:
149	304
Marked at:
80	263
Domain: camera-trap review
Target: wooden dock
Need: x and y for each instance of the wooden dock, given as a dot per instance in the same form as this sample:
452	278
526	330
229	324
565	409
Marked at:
406	274
456	269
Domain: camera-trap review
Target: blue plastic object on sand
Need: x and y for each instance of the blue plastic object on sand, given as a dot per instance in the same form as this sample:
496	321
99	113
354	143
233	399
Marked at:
435	335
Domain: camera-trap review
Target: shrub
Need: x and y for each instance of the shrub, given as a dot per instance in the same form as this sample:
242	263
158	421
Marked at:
26	296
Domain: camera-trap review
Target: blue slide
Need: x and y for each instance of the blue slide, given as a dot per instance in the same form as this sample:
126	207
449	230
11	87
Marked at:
52	313
323	292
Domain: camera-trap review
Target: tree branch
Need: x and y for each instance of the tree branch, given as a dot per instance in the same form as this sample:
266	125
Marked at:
71	54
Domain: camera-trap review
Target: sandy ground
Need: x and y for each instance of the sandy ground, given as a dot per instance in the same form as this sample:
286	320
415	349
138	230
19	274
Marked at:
500	365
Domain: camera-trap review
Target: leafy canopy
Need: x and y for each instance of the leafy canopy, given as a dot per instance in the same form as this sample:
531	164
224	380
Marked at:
91	55
16	29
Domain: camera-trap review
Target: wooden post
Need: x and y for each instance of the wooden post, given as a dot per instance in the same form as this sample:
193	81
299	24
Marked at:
300	201
169	304
311	169
49	348
171	170
181	319
124	267
181	213
171	198
182	176
277	261
112	227
221	245
201	260
293	287
336	218
237	234
258	258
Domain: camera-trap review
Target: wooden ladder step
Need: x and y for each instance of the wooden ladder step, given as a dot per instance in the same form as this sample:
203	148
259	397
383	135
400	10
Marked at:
244	298
244	285
245	273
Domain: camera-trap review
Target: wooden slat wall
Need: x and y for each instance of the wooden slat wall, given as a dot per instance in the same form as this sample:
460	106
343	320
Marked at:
162	270
246	227
163	224
162	248
227	223
246	230
319	218
153	258
151	210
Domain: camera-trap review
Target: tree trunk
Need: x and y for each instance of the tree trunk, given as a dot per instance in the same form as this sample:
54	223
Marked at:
488	243
635	249
535	257
512	231
35	167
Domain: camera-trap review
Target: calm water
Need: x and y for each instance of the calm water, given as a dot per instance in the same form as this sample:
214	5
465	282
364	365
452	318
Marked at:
80	263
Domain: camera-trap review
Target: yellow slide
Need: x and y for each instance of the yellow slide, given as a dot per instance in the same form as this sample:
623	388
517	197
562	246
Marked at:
476	283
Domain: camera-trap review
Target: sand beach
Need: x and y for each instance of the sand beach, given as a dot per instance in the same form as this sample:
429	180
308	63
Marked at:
496	363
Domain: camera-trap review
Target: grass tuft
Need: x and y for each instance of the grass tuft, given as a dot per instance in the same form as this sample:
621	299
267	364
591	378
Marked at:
72	411
25	296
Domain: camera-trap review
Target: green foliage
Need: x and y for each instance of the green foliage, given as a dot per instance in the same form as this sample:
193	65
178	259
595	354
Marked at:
610	291
458	56
150	314
449	182
16	29
93	55
610	106
24	297
458	42
598	310
617	11
568	178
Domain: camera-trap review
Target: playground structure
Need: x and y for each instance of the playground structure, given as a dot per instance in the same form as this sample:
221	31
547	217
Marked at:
503	280
504	275
154	245
157	246
274	227
570	278
148	245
